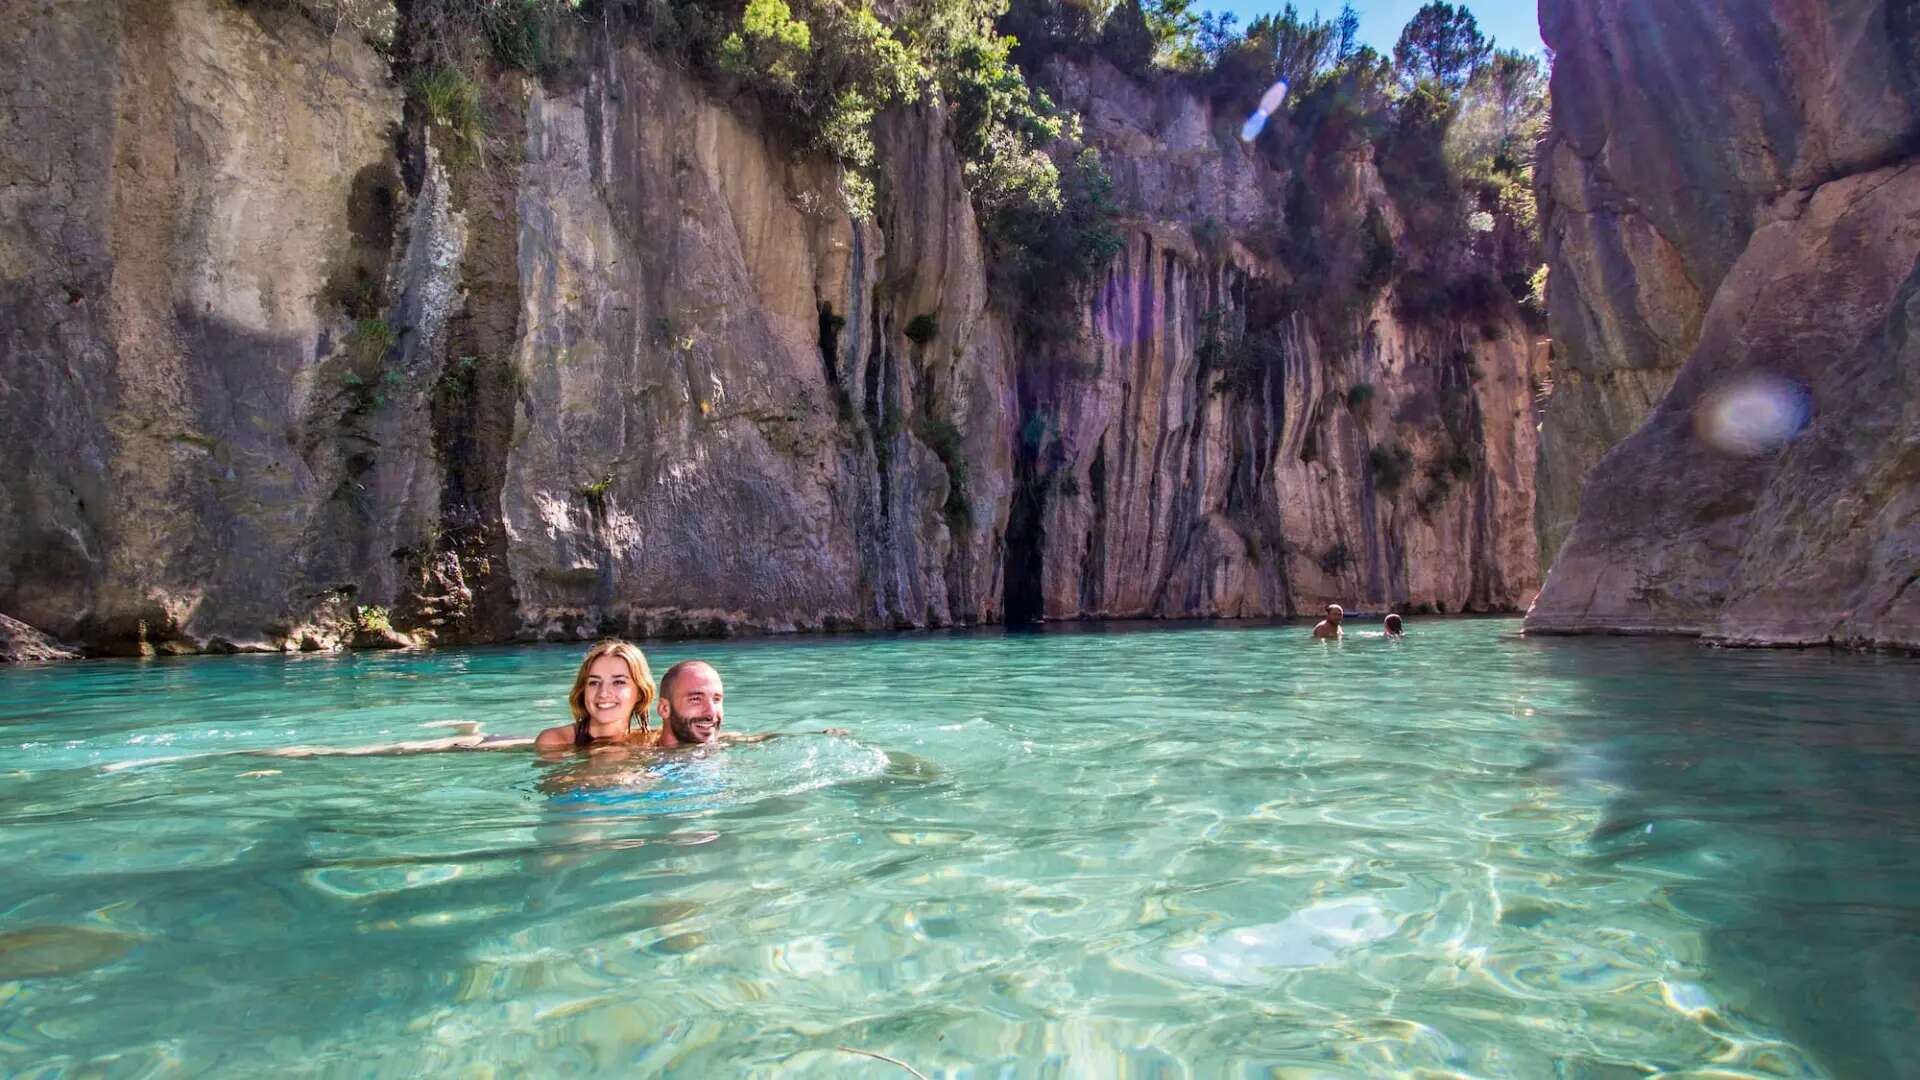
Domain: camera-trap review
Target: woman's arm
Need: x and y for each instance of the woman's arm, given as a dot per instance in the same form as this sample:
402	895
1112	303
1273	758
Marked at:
411	746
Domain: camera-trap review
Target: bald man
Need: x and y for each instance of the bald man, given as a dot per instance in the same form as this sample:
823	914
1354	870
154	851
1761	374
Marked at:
1329	627
691	705
692	708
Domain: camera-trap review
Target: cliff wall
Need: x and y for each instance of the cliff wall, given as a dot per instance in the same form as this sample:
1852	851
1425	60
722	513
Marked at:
1730	212
290	365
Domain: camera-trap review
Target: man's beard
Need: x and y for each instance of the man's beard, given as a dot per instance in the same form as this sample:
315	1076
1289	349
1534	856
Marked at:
682	726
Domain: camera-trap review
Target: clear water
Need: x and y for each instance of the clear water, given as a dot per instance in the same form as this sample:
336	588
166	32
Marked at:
1135	852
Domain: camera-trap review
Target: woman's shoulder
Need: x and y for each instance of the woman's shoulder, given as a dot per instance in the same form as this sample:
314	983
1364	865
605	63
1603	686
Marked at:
558	735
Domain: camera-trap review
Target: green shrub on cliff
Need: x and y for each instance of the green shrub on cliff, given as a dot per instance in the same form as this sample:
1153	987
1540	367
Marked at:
1390	466
943	437
1002	126
922	328
1049	250
770	45
369	341
829	68
452	101
457	33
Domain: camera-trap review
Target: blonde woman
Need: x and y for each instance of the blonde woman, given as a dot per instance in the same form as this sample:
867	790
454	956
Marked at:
612	691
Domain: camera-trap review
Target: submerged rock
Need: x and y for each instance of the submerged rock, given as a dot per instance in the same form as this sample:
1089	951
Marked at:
39	952
1311	937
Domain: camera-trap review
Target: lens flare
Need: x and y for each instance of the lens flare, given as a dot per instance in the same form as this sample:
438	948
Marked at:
1270	103
1752	414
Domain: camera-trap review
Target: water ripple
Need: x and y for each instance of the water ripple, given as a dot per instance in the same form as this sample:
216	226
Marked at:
1159	852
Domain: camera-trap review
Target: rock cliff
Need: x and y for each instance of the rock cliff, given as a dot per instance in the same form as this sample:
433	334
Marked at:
1732	217
288	365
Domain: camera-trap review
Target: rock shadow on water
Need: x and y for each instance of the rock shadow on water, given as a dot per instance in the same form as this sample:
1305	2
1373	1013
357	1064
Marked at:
1786	811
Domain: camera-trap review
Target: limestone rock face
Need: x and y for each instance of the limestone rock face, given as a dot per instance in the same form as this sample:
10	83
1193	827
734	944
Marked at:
1726	203
721	421
20	643
280	365
1675	127
183	178
1384	460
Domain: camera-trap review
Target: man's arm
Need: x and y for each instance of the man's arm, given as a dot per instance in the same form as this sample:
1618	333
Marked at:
729	737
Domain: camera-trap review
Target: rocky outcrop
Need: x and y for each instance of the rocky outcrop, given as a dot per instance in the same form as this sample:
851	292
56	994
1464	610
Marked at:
21	644
285	370
1215	446
1733	210
1676	127
716	428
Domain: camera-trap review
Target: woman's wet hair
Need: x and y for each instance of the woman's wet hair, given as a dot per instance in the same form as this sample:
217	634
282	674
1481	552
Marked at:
1393	624
637	670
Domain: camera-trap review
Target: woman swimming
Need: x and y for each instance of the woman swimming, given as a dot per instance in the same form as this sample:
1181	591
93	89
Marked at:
612	689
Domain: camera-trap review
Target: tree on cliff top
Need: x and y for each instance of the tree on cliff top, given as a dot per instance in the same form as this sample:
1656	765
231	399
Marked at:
1441	43
1283	46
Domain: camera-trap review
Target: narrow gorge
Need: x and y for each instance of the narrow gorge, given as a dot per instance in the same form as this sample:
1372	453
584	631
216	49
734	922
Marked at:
293	362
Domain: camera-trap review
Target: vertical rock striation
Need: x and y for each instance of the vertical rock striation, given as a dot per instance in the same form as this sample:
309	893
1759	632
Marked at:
1373	453
1732	197
720	419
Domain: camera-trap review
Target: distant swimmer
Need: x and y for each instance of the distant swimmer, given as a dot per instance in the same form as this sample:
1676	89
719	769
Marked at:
1393	627
612	690
1330	626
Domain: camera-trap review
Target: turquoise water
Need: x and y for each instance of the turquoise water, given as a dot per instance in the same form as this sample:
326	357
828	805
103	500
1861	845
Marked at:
1160	852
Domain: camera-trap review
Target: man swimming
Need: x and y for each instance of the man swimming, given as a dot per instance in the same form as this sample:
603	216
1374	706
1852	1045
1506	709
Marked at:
693	707
1329	627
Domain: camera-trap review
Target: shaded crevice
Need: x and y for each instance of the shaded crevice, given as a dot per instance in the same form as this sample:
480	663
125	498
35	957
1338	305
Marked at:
1023	596
460	585
1093	562
830	325
1024	601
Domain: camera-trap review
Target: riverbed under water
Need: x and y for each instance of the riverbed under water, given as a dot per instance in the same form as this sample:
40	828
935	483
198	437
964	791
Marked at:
1113	851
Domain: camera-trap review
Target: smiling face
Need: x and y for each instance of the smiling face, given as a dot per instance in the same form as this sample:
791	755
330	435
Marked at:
610	696
691	706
